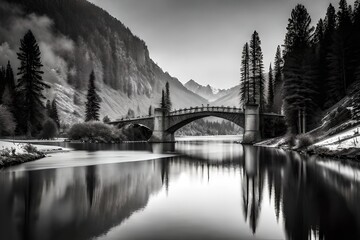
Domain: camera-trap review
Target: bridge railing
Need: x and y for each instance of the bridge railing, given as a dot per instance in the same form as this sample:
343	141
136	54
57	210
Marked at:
206	109
190	110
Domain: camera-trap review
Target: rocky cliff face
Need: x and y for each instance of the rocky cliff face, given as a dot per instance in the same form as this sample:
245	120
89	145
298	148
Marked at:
76	37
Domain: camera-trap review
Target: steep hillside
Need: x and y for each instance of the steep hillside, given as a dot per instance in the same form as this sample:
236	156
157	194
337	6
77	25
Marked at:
75	37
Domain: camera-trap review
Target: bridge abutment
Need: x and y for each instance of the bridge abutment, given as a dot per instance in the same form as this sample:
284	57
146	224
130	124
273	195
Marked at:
160	125
252	124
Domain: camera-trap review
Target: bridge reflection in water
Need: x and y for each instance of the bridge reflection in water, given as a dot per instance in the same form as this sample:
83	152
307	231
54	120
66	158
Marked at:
210	191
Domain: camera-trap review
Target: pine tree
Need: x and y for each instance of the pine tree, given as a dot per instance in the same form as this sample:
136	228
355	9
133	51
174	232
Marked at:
324	61
150	110
93	101
320	52
298	91
341	57
329	22
163	102
344	17
9	95
319	33
167	97
356	39
30	84
54	113
278	80
10	79
48	108
2	82
270	90
245	76
256	71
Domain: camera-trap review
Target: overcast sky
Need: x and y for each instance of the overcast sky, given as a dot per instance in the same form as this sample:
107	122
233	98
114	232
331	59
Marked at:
203	39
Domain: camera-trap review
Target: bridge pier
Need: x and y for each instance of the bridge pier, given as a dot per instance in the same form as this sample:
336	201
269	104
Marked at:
161	123
252	124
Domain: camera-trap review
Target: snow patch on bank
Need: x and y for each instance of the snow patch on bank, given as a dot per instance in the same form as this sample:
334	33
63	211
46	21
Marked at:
19	147
347	139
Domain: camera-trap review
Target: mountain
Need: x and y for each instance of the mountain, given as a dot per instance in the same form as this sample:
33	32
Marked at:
209	93
231	98
75	37
216	97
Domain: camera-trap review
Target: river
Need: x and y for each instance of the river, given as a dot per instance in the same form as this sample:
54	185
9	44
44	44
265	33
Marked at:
211	188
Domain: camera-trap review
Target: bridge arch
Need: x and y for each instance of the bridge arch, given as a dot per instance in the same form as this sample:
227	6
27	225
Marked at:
147	122
177	122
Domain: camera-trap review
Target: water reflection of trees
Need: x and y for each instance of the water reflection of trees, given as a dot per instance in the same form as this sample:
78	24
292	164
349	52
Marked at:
310	200
75	203
314	201
84	202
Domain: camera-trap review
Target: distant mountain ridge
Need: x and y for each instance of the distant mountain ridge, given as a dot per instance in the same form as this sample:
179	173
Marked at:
208	92
216	97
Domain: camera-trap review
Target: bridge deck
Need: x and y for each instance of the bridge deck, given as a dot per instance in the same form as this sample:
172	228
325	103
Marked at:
186	111
193	110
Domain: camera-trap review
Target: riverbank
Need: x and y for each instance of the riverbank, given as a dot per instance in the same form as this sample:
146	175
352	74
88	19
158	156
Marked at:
14	152
342	145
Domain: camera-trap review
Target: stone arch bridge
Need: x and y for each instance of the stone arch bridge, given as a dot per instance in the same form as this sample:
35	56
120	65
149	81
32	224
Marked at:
164	124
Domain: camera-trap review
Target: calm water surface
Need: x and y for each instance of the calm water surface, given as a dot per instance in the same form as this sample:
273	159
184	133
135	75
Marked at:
193	190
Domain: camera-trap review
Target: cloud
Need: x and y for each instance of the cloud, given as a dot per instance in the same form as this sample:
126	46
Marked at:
53	46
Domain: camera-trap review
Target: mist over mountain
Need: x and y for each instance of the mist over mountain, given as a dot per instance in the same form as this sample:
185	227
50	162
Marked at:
231	98
75	37
216	97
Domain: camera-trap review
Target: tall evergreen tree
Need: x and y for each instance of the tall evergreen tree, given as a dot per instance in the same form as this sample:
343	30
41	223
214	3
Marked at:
163	100
256	71
9	95
319	33
344	17
150	110
298	90
54	113
48	108
321	64
10	79
270	90
2	82
30	84
245	76
329	22
93	101
167	97
356	39
341	54
324	51
278	80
